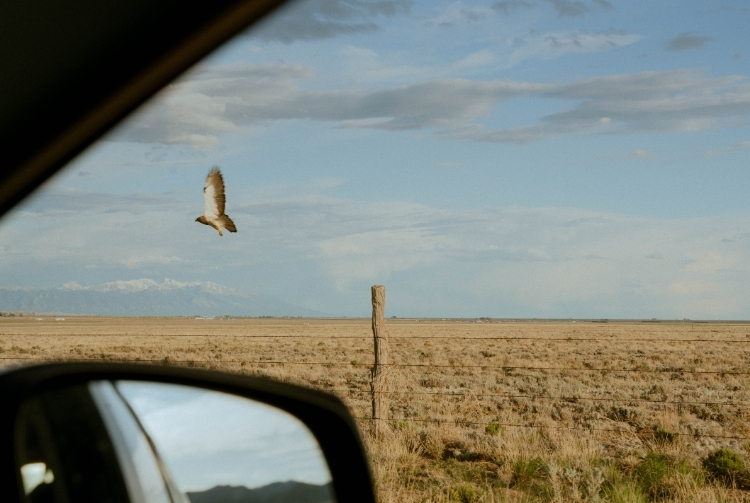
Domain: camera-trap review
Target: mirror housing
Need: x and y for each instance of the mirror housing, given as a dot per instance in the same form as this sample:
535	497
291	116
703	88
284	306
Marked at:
323	414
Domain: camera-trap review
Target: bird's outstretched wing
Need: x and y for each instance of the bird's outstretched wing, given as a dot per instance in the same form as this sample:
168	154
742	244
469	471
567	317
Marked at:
213	195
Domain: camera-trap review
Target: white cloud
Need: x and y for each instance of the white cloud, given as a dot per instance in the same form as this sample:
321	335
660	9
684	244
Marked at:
512	6
648	102
691	288
65	199
575	8
213	102
687	41
140	260
456	12
368	69
324	19
374	254
727	150
711	262
552	45
563	8
542	258
365	67
637	154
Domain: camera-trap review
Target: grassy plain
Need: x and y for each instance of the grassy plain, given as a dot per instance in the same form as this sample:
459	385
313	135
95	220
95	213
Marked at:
621	412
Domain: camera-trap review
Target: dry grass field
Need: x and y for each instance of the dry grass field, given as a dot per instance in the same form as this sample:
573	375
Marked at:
481	411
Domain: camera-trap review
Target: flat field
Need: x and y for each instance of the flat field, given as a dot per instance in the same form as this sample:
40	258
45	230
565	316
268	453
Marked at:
480	411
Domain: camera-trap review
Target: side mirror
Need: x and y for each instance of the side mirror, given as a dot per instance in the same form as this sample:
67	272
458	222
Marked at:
147	434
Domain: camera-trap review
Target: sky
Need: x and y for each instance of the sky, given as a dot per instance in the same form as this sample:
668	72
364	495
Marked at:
513	158
232	440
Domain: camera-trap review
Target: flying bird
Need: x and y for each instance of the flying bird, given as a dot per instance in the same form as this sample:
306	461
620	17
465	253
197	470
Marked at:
214	200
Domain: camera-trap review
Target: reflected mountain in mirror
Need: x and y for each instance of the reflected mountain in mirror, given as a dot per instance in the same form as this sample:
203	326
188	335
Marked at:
278	492
223	448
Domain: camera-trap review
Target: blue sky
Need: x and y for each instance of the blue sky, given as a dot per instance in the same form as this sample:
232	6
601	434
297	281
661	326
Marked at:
535	158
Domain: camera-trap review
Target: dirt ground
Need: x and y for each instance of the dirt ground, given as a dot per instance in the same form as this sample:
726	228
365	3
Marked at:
479	410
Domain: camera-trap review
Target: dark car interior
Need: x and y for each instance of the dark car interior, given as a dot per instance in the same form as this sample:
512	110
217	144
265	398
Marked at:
71	71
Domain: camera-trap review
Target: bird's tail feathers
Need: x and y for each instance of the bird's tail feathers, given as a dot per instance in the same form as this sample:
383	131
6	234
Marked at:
227	223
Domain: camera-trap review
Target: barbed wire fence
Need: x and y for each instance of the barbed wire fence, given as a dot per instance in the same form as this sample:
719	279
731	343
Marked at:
381	370
384	421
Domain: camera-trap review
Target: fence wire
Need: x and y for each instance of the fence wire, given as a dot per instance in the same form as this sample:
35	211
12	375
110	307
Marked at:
504	368
545	426
391	338
569	399
465	393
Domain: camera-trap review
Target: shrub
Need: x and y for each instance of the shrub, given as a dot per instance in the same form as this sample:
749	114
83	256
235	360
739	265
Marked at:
430	445
466	493
625	492
664	435
652	475
726	466
658	477
624	414
531	476
492	429
593	481
525	471
400	425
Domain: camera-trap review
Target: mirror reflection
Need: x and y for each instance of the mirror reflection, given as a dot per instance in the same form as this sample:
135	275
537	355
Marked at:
133	441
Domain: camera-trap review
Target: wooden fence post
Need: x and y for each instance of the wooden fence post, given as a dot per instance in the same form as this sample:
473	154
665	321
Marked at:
380	370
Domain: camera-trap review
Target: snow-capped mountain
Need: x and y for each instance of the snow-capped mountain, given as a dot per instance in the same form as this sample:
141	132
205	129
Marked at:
139	285
147	297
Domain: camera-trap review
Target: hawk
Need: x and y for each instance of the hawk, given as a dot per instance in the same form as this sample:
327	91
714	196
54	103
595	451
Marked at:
213	200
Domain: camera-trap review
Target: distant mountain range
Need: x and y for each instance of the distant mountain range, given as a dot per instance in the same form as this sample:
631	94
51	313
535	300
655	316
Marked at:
278	492
146	297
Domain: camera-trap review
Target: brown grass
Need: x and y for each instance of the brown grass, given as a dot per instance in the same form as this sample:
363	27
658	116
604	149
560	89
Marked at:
471	425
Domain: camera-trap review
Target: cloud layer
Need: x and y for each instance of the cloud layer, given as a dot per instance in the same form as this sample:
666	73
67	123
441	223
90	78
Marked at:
322	19
227	100
563	8
495	261
728	150
687	41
